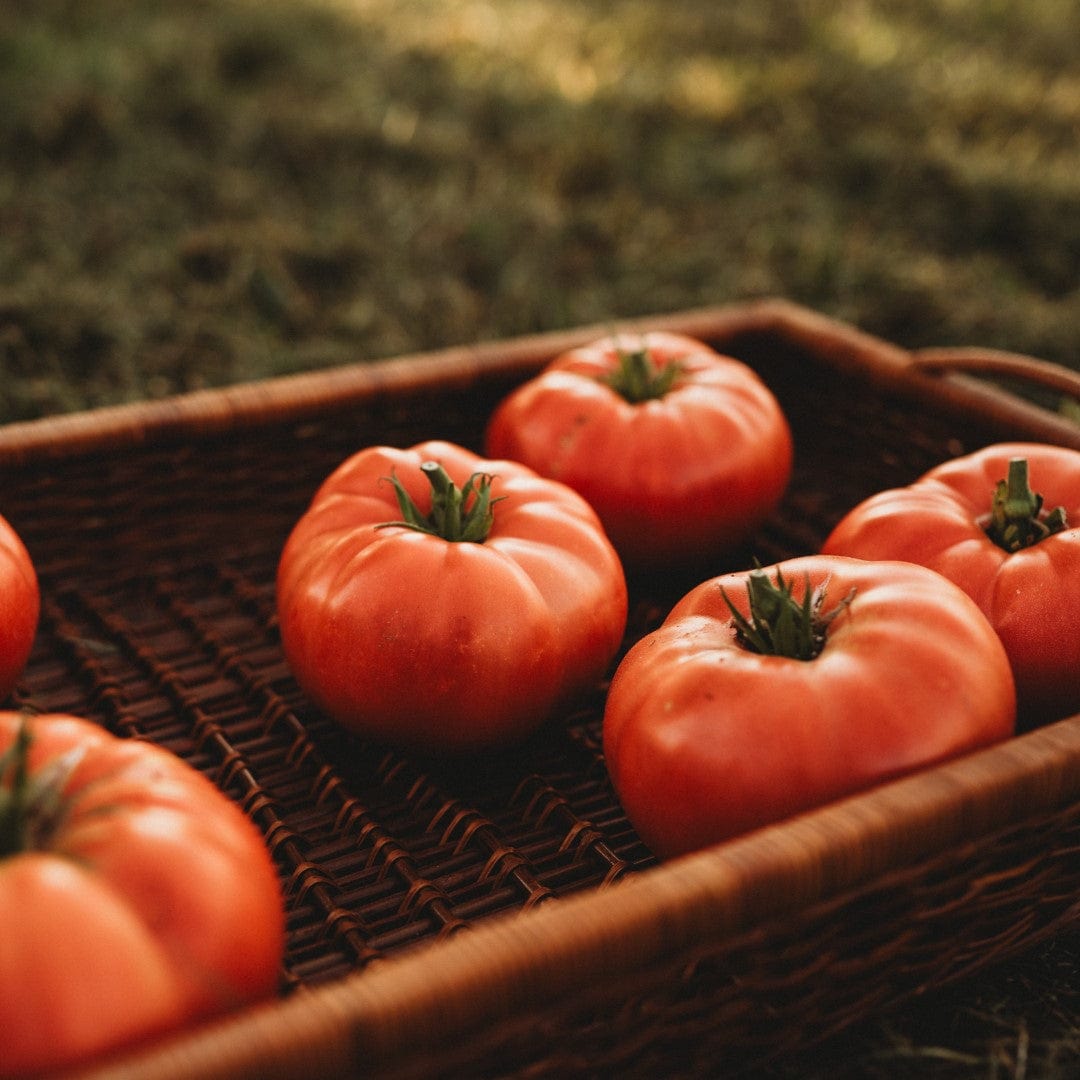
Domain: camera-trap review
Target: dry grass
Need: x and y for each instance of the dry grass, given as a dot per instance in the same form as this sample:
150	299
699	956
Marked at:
222	190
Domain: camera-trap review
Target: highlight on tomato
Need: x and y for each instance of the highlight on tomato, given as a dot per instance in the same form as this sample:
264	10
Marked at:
135	897
1003	523
683	452
431	598
776	690
20	601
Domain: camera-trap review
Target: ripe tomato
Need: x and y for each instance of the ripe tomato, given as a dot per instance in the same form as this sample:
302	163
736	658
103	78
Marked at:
134	896
841	674
431	598
1023	572
681	451
19	607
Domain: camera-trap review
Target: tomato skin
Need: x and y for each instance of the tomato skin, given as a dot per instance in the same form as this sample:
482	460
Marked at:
442	645
124	990
1030	596
153	904
20	602
674	479
706	740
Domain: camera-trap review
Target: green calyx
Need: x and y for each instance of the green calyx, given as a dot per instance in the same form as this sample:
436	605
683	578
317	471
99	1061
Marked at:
1016	517
462	514
638	378
30	806
780	625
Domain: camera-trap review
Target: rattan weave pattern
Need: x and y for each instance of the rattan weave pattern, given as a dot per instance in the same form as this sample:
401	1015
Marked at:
157	555
791	983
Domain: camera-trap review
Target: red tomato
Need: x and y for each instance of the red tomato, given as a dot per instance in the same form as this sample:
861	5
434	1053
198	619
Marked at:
134	896
1030	594
681	451
447	642
706	737
19	604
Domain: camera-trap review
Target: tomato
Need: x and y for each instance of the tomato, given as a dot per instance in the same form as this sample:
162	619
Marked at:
432	598
681	451
19	607
134	896
839	675
1024	573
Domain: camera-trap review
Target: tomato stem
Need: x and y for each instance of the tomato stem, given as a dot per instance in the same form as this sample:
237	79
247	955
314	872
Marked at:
14	794
31	806
457	514
1016	517
638	378
780	625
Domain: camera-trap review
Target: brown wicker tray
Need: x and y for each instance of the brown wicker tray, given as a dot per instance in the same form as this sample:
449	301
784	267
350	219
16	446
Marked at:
502	919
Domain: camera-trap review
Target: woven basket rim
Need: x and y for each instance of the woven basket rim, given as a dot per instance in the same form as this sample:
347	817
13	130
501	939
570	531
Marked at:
935	374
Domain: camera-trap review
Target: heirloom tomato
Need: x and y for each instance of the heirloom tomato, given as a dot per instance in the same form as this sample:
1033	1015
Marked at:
134	896
1003	523
768	692
432	598
19	603
682	452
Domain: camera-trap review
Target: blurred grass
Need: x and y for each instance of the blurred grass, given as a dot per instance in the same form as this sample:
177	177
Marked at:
204	193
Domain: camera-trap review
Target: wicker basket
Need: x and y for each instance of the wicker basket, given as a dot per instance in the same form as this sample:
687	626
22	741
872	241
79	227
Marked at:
502	918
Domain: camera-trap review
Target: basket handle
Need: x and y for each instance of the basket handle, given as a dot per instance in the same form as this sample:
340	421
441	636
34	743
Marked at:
976	361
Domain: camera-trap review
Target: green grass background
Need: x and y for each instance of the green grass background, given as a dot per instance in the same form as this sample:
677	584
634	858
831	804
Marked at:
222	190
